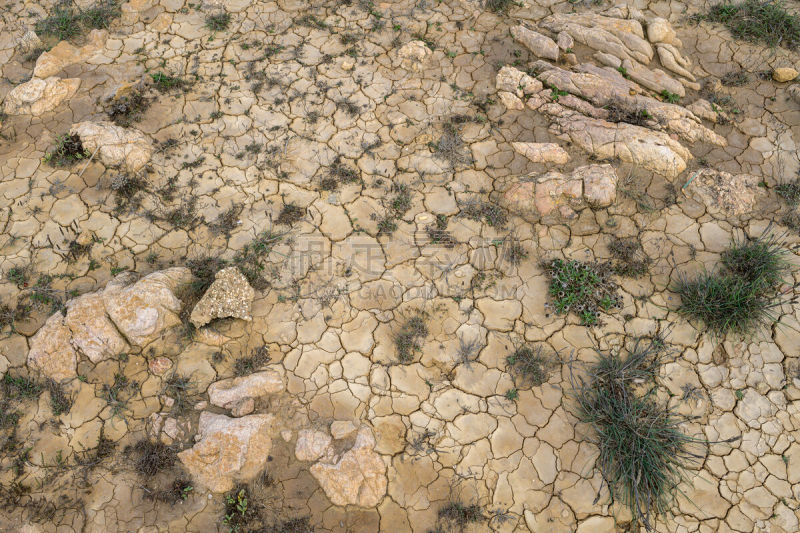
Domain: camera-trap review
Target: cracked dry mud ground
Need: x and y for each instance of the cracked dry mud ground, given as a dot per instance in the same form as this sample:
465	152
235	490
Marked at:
354	160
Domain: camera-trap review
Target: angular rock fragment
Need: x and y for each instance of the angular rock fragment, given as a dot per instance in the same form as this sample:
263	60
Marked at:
540	45
229	392
599	184
654	79
542	152
312	445
229	450
413	55
358	477
64	54
143	310
725	193
93	333
51	351
230	295
37	96
118	146
652	150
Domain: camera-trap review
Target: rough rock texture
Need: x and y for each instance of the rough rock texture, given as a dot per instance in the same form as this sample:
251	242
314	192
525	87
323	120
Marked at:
229	392
51	352
312	445
65	54
229	296
599	184
229	450
540	45
38	96
619	37
118	146
143	310
725	193
358	477
659	30
784	74
93	333
542	152
651	150
413	55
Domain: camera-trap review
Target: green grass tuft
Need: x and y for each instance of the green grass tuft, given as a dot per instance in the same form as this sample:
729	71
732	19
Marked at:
766	22
66	22
218	21
67	151
530	365
643	454
743	295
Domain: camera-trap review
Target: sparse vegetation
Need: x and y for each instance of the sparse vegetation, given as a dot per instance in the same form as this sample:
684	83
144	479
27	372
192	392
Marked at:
128	109
530	366
760	21
669	97
492	214
735	78
584	288
643	452
66	22
789	191
165	83
218	21
438	234
628	257
250	363
458	517
742	296
291	214
451	146
179	388
408	339
150	458
67	151
60	402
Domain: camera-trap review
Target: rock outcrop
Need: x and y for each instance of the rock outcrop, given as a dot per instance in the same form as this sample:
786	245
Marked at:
725	193
540	45
542	152
64	54
38	96
117	146
230	295
232	393
51	352
228	450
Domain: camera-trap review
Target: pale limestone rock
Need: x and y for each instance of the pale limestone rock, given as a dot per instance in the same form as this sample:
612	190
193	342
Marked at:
784	74
511	101
725	193
312	445
652	150
703	109
117	146
38	96
659	30
540	45
654	79
341	429
229	450
413	55
622	38
229	392
229	296
542	152
358	478
143	310
565	41
65	54
672	59
51	352
93	333
599	184
512	80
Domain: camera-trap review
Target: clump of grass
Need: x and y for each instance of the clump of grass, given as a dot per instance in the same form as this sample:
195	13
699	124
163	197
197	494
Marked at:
643	454
126	190
789	191
218	21
60	402
227	221
669	97
67	151
735	78
400	202
67	22
165	83
530	365
150	458
438	234
491	214
457	516
451	146
179	388
128	109
742	296
387	226
408	339
628	257
584	288
251	260
290	214
116	394
246	365
767	22
339	174
639	117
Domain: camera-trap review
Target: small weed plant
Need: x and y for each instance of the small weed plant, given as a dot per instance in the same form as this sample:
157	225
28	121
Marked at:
530	366
408	340
583	288
67	151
